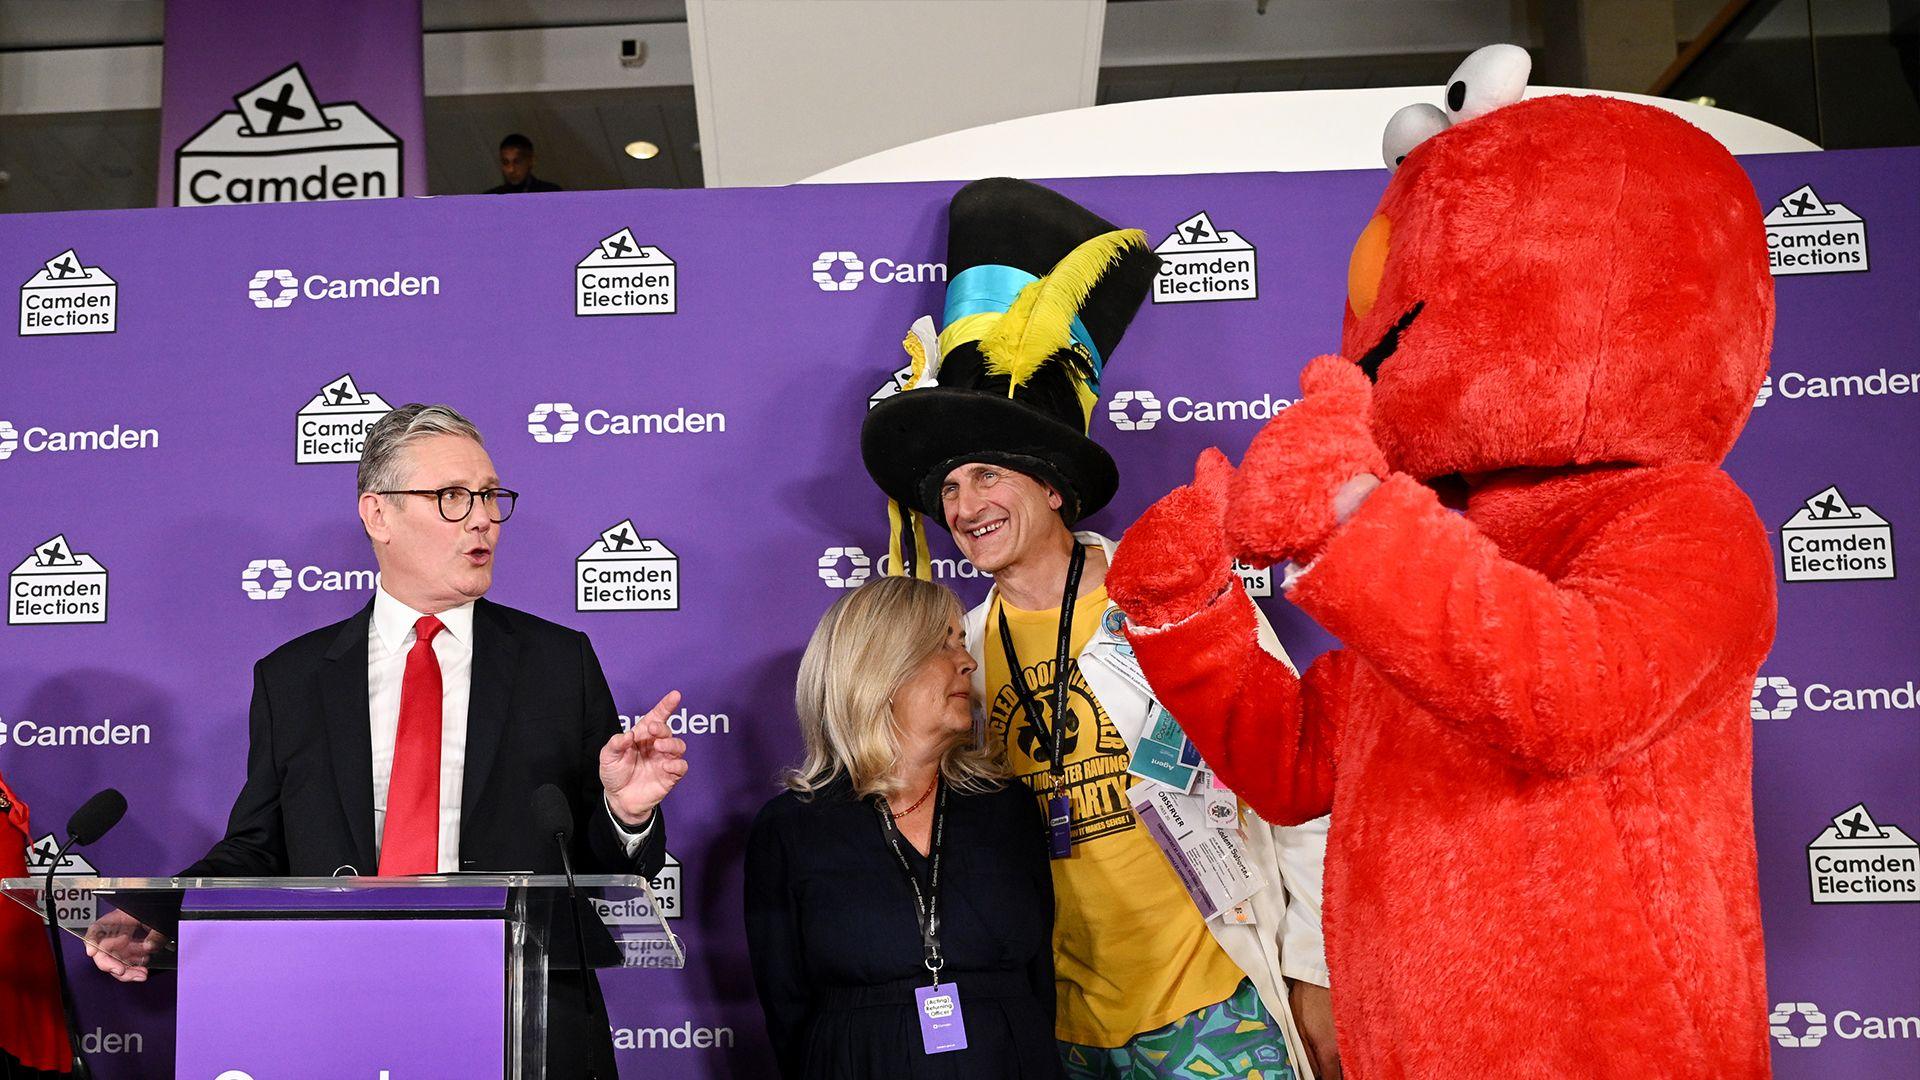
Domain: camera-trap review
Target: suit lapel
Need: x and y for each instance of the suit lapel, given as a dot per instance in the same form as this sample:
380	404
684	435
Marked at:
343	701
489	703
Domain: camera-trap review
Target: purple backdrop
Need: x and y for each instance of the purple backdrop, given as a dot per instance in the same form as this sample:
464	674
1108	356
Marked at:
723	427
360	59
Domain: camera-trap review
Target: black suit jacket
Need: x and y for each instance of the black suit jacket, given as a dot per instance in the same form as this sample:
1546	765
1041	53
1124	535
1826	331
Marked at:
539	710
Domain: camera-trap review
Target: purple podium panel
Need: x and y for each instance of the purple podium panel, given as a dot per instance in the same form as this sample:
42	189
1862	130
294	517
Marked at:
321	998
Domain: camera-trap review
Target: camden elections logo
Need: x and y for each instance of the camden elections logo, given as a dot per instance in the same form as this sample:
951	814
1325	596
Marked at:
57	584
1200	262
1829	539
1857	860
1802	1025
621	571
623	277
843	271
76	908
1808	236
39	440
66	296
282	145
332	427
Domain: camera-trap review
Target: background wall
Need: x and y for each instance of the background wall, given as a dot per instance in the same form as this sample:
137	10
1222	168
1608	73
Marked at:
204	510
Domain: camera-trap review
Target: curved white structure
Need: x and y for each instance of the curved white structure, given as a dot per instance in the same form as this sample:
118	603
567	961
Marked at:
1287	131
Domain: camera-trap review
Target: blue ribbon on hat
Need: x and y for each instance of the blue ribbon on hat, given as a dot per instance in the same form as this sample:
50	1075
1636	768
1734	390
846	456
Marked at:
992	287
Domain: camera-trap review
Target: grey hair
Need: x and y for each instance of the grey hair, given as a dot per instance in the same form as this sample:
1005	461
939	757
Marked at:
380	461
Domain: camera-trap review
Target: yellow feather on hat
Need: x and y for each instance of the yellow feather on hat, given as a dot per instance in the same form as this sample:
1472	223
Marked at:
1039	322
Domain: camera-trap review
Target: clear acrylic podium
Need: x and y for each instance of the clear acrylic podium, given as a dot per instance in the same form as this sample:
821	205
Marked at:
444	975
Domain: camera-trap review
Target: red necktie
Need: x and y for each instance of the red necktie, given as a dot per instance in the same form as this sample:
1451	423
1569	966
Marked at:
410	839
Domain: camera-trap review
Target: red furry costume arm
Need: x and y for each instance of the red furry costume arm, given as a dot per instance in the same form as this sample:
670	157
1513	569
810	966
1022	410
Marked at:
1567	676
1196	634
1270	736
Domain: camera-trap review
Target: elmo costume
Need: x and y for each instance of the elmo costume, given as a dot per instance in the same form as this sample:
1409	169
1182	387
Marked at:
1535	742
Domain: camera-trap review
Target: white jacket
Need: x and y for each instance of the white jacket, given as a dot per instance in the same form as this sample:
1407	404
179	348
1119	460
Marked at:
1284	940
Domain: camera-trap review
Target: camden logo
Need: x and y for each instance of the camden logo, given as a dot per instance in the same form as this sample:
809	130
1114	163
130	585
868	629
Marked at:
1142	410
274	289
1134	410
561	422
623	571
57	585
332	427
75	908
1200	262
1829	539
40	440
1802	1025
1857	860
843	271
1806	235
282	145
65	296
682	723
106	732
273	579
1776	698
845	567
622	276
1798	385
849	567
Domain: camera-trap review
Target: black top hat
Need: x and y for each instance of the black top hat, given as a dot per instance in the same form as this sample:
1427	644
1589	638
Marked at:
1039	292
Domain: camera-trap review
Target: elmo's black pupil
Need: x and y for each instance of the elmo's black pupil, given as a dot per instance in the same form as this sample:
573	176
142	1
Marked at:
1457	96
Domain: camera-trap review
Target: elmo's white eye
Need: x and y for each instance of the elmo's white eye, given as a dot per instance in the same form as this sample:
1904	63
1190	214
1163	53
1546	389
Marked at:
1490	77
1409	128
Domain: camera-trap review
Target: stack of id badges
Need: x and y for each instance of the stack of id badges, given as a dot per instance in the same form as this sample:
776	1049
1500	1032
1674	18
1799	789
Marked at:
1194	820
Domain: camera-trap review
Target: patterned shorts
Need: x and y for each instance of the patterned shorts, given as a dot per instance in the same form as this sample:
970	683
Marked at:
1236	1038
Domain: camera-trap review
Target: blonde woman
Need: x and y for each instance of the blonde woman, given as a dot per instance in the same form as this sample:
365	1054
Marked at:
898	896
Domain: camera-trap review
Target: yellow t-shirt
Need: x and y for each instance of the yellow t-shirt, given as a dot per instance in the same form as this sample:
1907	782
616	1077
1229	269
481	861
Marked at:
1130	951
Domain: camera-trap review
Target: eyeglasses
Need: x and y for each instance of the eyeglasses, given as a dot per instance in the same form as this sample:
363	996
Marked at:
457	502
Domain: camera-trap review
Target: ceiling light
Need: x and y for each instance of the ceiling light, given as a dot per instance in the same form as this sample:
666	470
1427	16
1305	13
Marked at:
641	149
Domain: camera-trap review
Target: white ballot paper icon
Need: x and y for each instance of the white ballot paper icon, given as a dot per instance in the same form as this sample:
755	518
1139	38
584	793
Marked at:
1858	860
1211	862
1830	539
66	296
282	145
624	571
332	427
57	584
1809	235
622	276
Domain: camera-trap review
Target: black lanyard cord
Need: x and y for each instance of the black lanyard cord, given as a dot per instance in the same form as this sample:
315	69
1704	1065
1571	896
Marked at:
926	904
1049	739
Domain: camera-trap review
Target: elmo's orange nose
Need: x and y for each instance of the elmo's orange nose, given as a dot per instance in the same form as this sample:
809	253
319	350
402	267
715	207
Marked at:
1369	261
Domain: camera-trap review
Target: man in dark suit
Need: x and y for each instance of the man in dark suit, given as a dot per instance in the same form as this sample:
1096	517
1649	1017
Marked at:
410	738
516	168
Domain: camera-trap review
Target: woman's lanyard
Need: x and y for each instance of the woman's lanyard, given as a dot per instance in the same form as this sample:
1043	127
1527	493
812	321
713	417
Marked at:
926	905
1059	807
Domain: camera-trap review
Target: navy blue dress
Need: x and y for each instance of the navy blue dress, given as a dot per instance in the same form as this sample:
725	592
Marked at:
835	942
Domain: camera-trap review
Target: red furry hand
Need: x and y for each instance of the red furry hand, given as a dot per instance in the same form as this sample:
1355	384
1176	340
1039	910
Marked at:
1174	560
1281	504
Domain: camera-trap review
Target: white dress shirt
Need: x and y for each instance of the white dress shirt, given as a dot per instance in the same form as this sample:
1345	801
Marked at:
389	639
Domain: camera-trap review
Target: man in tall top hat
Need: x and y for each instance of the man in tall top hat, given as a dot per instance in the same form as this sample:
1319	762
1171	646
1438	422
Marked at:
989	438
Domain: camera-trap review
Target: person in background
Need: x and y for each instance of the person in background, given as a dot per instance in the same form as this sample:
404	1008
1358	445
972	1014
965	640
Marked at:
516	168
991	441
33	1028
899	860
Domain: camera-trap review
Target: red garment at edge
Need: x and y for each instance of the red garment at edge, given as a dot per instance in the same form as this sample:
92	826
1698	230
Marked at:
33	1027
1535	742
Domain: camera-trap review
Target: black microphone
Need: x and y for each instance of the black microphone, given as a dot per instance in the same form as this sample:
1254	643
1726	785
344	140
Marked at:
553	816
96	817
92	821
